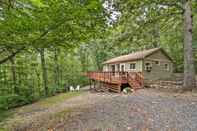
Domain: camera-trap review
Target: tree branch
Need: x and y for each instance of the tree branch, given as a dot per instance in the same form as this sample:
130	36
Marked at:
12	55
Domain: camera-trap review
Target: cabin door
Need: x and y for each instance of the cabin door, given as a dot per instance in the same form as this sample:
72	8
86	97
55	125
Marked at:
113	69
122	67
122	70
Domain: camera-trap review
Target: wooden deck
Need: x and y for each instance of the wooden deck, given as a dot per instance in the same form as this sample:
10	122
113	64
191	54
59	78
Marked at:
114	80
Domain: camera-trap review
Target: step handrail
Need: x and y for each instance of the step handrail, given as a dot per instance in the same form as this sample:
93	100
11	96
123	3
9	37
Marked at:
136	77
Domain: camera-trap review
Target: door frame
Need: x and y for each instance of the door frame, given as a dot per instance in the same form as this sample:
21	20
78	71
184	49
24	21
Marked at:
124	69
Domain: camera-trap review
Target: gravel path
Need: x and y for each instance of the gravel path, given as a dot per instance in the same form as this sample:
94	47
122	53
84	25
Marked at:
144	110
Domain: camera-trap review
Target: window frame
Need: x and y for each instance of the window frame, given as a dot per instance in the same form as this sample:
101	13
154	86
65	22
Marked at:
121	65
168	67
134	63
150	66
159	63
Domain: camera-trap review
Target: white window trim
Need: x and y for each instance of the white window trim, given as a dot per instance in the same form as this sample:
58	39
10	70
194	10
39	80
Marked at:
111	67
135	66
123	65
117	67
168	67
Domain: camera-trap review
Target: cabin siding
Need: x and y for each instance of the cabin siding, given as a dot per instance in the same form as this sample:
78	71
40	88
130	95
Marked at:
138	65
158	70
106	68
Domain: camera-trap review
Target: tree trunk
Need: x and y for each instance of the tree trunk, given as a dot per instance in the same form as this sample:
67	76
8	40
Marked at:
57	70
13	68
189	72
44	71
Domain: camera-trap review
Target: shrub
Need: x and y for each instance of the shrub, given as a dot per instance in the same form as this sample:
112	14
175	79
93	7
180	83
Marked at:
11	101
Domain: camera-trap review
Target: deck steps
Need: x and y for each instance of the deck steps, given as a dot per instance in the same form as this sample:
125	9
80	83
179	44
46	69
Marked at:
135	81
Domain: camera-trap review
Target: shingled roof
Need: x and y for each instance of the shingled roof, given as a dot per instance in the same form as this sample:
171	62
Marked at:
135	56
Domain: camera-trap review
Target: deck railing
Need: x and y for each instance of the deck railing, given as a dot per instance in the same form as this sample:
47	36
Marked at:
116	77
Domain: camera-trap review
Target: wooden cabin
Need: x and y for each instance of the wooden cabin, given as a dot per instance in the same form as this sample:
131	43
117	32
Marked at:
134	69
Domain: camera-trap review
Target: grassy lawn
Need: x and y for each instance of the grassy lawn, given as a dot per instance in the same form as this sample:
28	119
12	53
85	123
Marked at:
43	103
57	99
4	114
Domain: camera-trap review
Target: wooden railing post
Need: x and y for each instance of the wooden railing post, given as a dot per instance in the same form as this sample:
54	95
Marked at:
110	76
104	76
127	76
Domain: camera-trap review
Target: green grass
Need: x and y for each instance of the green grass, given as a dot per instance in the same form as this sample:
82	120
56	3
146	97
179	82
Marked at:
43	103
63	113
1	129
57	99
4	114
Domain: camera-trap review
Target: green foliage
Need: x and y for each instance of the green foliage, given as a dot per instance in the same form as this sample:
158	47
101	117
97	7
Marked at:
150	23
58	27
75	38
3	115
49	23
11	101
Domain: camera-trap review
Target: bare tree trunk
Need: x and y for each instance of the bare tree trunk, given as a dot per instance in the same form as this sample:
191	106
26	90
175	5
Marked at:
189	71
44	71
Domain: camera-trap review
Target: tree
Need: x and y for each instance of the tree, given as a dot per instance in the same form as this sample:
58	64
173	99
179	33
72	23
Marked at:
189	71
44	70
58	23
137	26
57	67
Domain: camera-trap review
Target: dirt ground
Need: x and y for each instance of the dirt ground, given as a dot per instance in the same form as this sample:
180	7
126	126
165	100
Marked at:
144	110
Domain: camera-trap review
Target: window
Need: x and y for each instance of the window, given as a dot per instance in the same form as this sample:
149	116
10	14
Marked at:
148	67
132	66
166	67
157	62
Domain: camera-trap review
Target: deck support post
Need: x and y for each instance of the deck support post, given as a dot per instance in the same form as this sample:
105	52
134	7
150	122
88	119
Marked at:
90	84
99	84
94	84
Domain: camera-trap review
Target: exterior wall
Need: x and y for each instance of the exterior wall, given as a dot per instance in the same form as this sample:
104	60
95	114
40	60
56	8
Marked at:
139	66
105	68
158	71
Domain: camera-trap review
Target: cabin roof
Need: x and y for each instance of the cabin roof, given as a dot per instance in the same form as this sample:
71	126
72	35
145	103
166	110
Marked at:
135	56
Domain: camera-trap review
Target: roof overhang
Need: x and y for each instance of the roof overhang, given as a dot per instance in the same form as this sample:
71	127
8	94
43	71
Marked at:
118	62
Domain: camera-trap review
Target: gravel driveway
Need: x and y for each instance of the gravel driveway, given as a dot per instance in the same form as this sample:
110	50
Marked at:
144	110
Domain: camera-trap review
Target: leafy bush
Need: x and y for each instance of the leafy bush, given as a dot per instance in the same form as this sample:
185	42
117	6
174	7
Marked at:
11	101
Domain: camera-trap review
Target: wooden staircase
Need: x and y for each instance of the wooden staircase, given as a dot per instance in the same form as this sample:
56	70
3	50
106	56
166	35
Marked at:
135	80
